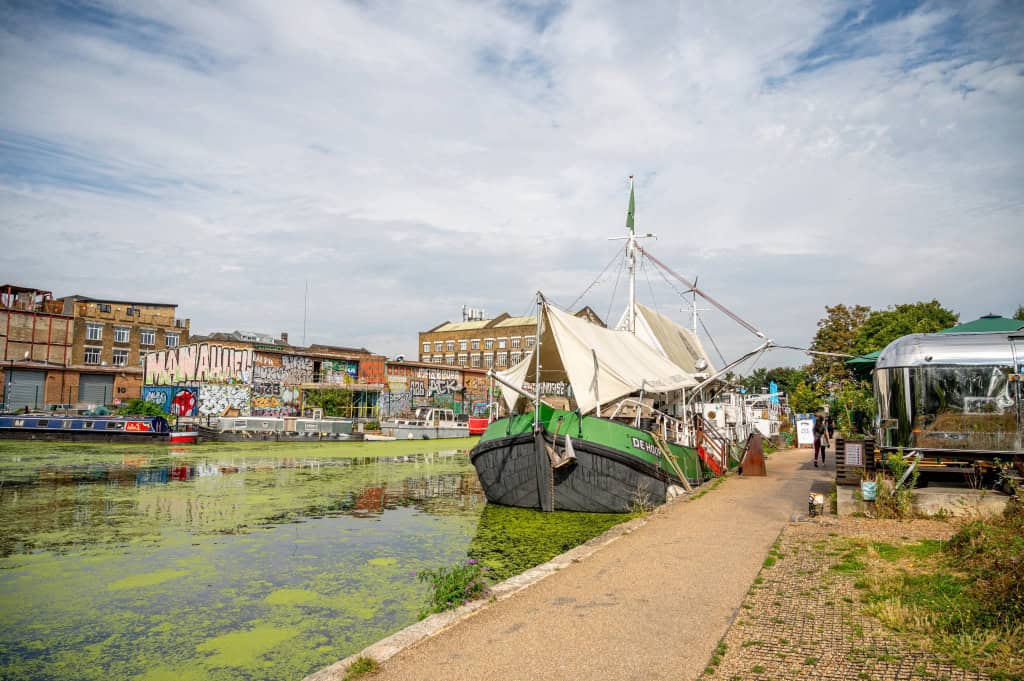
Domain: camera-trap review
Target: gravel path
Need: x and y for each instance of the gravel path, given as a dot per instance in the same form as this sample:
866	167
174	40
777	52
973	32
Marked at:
651	605
803	619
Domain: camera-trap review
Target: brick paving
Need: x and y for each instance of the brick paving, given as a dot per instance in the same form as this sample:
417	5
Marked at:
802	619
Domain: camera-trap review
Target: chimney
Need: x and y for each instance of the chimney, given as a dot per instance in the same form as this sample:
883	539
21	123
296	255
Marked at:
284	337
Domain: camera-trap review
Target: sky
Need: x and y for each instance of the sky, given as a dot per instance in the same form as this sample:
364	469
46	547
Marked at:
404	159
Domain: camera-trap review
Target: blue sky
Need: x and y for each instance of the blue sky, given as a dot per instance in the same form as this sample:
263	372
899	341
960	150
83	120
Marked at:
406	160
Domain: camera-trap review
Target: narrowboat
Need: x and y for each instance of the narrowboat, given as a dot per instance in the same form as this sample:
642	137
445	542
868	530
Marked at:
84	428
427	423
275	429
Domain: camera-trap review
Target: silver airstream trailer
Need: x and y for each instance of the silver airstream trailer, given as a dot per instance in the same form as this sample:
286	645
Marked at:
953	395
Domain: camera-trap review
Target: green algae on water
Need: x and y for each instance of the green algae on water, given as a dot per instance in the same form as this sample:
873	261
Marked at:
512	540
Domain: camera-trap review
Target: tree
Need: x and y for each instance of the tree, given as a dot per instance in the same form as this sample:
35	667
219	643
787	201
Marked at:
140	408
837	332
787	378
884	326
804	399
334	401
1019	314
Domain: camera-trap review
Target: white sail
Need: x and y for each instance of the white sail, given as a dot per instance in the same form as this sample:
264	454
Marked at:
599	364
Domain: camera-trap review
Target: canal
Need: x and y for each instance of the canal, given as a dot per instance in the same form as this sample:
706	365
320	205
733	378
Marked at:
237	561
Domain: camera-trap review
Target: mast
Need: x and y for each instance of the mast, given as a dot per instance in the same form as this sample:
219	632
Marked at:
631	259
631	250
536	363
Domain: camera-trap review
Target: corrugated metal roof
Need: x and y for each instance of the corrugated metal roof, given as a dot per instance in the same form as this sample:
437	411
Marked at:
517	321
462	326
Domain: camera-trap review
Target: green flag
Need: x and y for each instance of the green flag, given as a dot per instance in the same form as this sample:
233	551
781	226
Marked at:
632	207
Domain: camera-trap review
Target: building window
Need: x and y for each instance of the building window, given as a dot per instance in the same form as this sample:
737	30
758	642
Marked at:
426	347
515	357
92	355
93	332
516	340
438	346
438	359
450	346
425	358
462	359
120	357
474	360
489	344
103	307
449	359
171	340
502	359
489	359
530	340
475	343
147	337
122	334
131	312
463	345
501	343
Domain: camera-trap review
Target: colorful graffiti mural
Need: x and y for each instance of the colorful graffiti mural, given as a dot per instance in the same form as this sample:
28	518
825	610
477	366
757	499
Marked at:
199	362
440	382
224	400
173	400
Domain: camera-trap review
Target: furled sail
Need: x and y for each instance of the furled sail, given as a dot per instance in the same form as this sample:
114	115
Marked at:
599	364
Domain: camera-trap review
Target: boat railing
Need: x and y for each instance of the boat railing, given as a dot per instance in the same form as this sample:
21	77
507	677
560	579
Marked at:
672	429
706	435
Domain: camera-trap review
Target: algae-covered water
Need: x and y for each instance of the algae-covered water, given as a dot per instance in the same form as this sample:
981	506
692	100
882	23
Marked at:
225	561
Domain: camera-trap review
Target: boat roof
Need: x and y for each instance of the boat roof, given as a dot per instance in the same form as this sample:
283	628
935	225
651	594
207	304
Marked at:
949	349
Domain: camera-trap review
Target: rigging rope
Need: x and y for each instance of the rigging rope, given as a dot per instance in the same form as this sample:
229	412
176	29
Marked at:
712	339
643	266
608	315
594	283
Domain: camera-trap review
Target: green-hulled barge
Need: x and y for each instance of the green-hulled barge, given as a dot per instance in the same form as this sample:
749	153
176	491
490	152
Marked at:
616	467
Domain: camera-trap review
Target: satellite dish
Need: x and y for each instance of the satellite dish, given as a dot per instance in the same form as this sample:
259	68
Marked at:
399	358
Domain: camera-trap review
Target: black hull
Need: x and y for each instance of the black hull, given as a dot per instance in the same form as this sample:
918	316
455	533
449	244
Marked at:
516	471
83	436
213	435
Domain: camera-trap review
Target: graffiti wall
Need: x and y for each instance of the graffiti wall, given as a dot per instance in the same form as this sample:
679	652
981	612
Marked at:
200	362
173	400
275	381
224	400
440	382
338	372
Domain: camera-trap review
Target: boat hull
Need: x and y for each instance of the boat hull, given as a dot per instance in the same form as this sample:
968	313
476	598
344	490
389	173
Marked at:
412	432
214	435
516	471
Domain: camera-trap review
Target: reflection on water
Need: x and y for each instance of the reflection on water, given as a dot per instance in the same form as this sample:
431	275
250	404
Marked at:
259	563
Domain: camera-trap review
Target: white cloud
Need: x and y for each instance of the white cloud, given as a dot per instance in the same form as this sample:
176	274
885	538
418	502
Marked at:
407	159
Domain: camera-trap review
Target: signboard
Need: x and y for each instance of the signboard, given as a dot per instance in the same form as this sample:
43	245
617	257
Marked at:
854	453
805	430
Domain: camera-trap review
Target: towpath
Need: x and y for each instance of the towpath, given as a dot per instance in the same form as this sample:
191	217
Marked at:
651	605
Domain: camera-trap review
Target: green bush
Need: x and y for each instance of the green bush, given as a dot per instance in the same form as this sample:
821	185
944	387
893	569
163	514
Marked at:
454	586
140	408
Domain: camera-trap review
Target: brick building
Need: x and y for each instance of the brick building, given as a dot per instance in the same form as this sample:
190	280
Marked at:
35	349
111	338
485	343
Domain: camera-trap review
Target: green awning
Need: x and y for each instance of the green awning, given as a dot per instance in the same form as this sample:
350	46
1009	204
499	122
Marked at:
987	324
863	361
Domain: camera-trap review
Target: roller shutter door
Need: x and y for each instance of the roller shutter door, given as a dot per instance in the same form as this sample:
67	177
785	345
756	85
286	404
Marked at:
96	389
24	388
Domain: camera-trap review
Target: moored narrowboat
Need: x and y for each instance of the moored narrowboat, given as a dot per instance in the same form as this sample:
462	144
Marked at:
84	428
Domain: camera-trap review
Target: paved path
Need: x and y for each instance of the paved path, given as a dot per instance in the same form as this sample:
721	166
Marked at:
651	605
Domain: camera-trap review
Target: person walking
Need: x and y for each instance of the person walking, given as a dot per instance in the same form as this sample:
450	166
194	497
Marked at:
831	425
820	440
